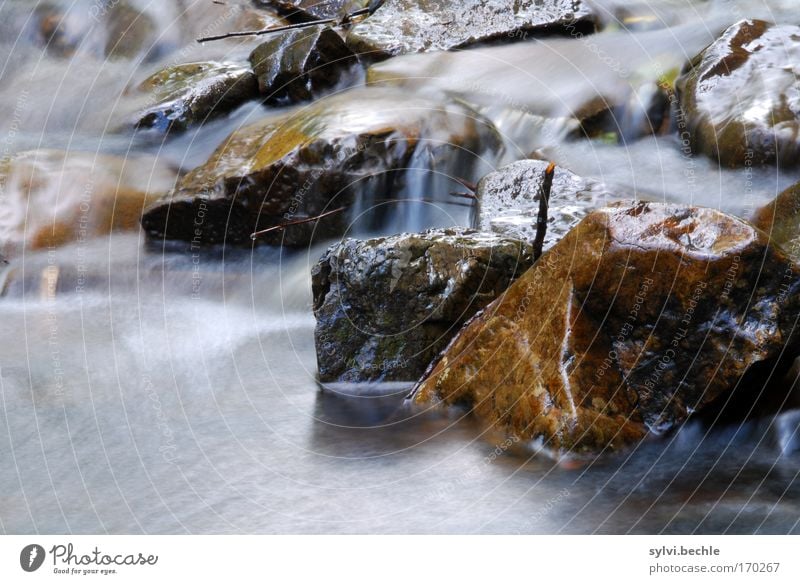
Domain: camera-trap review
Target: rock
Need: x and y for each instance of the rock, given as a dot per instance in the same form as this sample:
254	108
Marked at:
637	318
52	198
741	97
412	26
295	65
338	151
306	10
386	307
508	200
192	93
780	219
646	111
58	30
129	33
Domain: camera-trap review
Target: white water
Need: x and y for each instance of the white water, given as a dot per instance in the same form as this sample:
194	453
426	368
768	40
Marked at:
177	393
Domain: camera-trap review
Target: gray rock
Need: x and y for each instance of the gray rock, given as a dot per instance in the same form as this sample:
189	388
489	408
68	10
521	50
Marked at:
508	200
412	26
295	65
741	97
386	307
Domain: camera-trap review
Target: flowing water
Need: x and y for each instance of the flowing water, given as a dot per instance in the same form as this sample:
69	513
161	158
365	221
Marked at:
153	390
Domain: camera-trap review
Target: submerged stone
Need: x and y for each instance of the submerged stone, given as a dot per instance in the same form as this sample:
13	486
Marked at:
193	93
741	96
314	160
412	26
295	65
54	198
508	200
386	307
637	318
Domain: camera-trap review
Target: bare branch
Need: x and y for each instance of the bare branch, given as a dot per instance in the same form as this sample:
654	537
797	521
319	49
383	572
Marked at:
283	226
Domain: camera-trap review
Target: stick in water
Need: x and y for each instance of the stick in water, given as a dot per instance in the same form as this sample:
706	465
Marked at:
295	222
544	203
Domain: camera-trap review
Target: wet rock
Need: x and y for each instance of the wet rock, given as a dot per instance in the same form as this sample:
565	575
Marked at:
741	97
412	26
295	65
53	198
508	200
129	33
386	307
780	219
637	318
192	93
313	160
646	111
58	30
305	10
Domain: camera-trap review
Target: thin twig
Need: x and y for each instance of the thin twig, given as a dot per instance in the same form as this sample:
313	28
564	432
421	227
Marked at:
470	196
340	209
544	203
345	20
295	222
242	33
466	184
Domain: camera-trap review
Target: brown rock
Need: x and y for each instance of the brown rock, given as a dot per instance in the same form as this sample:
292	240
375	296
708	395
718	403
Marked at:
53	198
193	93
740	97
780	219
637	318
337	152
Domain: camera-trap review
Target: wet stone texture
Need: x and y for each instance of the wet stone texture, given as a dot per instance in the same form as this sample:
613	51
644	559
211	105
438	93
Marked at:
508	200
637	318
295	65
335	153
386	307
193	93
70	197
741	97
413	26
780	219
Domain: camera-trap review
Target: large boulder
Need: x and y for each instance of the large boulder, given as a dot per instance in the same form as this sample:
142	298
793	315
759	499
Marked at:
386	307
341	151
192	93
53	198
295	65
741	96
780	219
639	317
508	200
413	26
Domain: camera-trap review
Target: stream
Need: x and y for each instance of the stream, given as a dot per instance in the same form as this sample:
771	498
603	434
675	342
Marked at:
160	391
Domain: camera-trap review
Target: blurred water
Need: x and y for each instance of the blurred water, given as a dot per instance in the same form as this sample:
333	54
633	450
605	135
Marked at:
147	389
